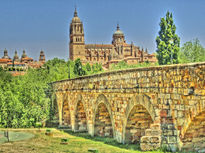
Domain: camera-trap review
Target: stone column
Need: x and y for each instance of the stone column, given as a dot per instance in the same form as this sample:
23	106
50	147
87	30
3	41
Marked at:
59	102
91	128
73	124
169	136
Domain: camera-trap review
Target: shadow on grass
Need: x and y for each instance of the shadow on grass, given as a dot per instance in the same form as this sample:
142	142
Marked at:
111	141
106	140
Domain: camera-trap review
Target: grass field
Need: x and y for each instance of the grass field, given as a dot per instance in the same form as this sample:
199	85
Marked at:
77	143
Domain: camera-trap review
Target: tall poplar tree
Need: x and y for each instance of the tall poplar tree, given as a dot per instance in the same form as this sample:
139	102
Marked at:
168	43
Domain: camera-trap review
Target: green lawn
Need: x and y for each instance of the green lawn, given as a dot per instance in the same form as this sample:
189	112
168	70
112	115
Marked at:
77	143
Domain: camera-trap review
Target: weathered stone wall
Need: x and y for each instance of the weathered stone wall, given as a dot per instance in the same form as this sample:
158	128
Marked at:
171	99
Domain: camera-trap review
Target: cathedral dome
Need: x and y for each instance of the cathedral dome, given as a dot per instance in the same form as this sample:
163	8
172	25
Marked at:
76	20
118	31
5	54
24	54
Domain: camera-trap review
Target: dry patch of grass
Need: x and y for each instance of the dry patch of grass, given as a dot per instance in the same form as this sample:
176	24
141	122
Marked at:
42	143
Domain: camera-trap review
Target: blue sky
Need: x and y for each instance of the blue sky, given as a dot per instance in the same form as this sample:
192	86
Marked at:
44	24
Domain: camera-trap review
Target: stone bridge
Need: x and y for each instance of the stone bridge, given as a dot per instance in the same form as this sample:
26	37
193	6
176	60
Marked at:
160	106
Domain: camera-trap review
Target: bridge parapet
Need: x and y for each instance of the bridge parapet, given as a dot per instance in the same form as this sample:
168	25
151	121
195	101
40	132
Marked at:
172	95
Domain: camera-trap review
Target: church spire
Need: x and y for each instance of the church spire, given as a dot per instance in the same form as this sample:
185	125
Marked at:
75	13
118	27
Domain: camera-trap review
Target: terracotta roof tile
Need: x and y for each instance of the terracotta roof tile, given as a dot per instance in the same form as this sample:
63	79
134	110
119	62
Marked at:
2	60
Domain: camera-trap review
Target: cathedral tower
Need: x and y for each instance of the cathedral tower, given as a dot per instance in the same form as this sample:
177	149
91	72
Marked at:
42	57
16	57
118	40
77	42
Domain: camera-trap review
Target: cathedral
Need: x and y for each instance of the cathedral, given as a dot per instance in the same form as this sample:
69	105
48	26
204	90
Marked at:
105	54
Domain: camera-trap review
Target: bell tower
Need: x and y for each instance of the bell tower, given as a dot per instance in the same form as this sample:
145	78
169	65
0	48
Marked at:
77	42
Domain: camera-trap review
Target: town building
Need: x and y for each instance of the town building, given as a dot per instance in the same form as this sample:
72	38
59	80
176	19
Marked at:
105	54
16	64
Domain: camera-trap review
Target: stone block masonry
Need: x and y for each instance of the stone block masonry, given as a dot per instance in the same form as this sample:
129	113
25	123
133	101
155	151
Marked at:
160	106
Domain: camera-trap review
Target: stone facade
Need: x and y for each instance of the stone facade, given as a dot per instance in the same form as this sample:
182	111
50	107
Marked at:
18	65
104	53
160	106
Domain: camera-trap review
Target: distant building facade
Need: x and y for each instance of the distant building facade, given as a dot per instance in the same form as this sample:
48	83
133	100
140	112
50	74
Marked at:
104	53
20	64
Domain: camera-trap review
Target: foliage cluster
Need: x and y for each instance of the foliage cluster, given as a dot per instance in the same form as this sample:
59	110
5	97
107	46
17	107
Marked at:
192	51
168	43
26	100
76	68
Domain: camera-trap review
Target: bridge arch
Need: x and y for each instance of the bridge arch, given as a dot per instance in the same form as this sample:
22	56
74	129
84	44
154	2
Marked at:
66	117
80	115
103	118
193	132
140	114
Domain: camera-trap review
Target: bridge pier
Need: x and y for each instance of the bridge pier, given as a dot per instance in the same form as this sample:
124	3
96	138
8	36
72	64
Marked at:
91	130
59	99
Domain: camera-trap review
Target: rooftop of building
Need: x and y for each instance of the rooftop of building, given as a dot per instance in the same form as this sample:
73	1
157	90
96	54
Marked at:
118	31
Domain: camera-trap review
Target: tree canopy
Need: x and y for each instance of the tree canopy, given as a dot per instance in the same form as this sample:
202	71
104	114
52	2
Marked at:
192	51
168	43
78	68
26	100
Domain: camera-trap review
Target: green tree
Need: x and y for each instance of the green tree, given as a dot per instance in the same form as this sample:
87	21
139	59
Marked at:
56	69
71	69
88	67
120	65
168	43
192	51
24	100
97	68
78	68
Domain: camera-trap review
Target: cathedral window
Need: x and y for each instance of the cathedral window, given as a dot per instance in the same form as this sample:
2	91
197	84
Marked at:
81	29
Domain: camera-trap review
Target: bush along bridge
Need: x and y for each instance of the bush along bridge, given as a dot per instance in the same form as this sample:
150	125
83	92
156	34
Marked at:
161	106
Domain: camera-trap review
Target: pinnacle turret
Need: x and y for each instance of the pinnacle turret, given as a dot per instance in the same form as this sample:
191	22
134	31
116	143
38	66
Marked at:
75	13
